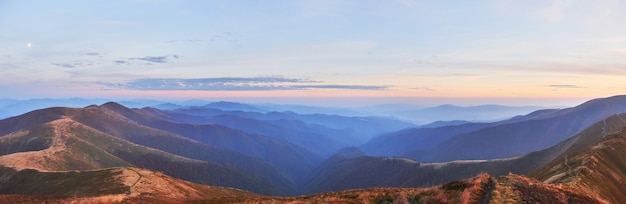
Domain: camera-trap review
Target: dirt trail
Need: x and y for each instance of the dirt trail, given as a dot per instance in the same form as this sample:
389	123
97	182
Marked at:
488	192
135	183
604	129
569	168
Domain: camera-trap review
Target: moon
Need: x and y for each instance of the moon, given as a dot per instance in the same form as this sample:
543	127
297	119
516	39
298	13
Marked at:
29	44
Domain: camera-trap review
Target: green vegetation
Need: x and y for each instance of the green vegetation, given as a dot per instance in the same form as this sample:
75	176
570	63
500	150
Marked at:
35	139
82	184
455	186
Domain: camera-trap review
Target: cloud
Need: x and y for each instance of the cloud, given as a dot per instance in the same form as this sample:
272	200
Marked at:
155	59
188	41
96	54
423	88
226	37
75	64
353	87
567	86
234	84
120	62
149	59
64	65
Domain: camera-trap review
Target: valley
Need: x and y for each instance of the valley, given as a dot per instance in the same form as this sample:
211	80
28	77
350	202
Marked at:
205	154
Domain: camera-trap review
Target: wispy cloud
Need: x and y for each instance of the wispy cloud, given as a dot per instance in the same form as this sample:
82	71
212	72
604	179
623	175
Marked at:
234	84
226	37
120	62
354	87
155	59
93	54
423	88
64	65
566	86
147	59
189	41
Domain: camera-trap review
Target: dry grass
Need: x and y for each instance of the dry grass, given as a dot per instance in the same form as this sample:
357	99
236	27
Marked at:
464	191
519	189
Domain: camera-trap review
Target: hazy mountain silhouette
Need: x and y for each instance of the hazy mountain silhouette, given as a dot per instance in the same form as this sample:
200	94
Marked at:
508	138
589	160
513	139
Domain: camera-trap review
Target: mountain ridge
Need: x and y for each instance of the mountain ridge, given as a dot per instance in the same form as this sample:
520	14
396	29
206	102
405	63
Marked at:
112	136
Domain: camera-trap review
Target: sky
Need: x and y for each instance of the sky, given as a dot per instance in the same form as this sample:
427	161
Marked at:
554	52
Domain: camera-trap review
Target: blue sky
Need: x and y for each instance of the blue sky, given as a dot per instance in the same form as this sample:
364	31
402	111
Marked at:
506	49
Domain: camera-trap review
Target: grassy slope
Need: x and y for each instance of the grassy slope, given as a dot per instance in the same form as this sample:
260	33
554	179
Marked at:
84	184
598	166
480	189
104	186
97	138
110	122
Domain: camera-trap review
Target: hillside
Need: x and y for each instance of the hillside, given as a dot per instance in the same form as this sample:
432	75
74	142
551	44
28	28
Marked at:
342	172
509	138
112	185
278	153
519	138
124	185
480	189
99	134
597	166
75	146
320	134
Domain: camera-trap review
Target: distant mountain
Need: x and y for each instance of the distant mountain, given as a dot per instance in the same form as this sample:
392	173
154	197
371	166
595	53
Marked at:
514	139
440	123
12	107
279	153
590	160
232	106
318	139
416	139
502	139
353	129
482	113
304	109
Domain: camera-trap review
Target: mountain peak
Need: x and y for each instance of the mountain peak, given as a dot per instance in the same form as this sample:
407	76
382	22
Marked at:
114	106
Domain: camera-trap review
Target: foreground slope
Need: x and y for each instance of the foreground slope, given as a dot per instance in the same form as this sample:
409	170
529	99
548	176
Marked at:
113	185
134	185
480	189
596	162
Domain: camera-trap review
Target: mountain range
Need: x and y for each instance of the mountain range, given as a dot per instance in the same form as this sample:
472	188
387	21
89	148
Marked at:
245	154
